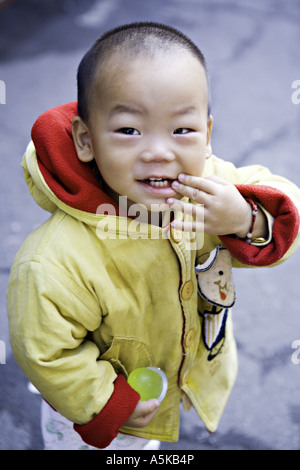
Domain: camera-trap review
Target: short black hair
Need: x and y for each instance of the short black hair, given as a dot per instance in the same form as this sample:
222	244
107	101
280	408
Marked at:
132	38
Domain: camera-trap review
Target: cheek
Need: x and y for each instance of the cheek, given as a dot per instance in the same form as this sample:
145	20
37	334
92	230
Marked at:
115	171
195	155
112	172
109	161
196	166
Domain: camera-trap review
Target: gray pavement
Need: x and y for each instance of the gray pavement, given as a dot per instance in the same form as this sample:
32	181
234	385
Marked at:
253	53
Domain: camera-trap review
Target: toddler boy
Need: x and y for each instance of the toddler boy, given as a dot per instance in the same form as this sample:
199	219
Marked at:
111	282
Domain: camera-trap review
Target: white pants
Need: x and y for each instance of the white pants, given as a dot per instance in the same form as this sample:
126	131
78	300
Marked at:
58	434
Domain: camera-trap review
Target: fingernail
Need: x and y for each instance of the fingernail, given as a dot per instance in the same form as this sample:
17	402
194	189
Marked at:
170	201
175	184
181	177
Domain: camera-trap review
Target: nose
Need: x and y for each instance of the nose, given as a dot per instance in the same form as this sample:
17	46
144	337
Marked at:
157	150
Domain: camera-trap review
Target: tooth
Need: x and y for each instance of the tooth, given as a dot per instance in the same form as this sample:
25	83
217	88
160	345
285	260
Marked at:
158	182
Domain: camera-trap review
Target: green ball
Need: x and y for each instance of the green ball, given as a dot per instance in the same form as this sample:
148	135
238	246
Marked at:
146	382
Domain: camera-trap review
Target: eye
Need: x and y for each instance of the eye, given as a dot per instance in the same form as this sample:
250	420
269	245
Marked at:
128	131
183	130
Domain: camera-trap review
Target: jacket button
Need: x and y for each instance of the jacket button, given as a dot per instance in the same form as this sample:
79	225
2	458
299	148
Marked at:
187	290
189	338
176	235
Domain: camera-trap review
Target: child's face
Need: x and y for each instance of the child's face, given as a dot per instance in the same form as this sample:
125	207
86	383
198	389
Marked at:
147	124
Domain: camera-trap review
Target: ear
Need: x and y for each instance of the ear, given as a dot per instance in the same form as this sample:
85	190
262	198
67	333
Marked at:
209	261
208	151
82	140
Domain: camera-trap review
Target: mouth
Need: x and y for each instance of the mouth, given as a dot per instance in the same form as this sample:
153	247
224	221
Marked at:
158	182
158	186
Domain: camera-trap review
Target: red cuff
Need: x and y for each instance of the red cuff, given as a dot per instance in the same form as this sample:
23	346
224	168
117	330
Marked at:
105	426
285	227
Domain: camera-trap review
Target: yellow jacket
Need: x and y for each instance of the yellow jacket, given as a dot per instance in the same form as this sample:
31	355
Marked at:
92	297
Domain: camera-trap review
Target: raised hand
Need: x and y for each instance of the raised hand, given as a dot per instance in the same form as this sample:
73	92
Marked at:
217	206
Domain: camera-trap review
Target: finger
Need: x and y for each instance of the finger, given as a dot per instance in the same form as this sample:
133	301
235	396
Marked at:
145	412
151	405
192	226
193	187
194	210
204	184
209	184
194	194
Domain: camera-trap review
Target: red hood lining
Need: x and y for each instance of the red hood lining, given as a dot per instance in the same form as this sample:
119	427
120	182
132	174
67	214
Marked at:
72	181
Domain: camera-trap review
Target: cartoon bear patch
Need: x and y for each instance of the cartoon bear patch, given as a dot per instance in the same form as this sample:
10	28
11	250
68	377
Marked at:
215	285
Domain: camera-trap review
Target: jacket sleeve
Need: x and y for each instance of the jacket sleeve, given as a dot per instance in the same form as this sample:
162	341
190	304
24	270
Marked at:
279	196
102	429
284	232
49	320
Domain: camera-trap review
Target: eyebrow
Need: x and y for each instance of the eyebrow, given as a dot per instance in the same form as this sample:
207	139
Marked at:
185	110
135	110
123	108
